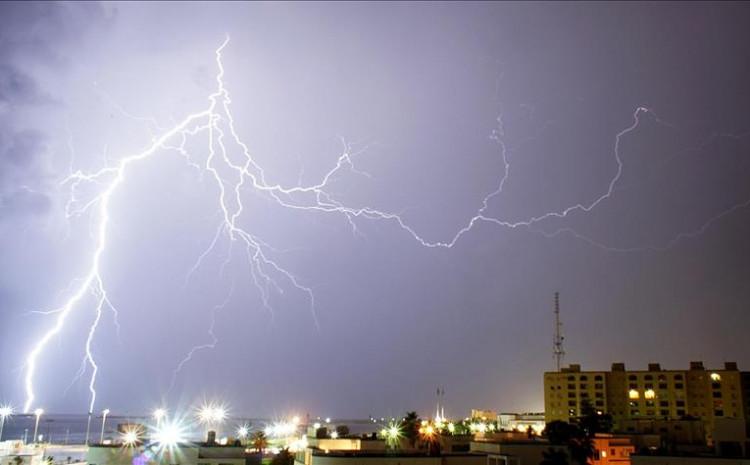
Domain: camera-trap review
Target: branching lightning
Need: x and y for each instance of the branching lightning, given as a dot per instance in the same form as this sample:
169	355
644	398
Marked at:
230	165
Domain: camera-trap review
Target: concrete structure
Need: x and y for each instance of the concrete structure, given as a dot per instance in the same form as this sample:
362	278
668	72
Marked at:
521	421
521	452
481	414
608	449
732	438
319	457
651	394
16	453
612	450
182	454
685	460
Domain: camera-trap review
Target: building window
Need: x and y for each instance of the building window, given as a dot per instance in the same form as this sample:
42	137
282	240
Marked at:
662	385
571	378
678	377
648	377
649	394
584	386
680	413
633	394
663	403
584	378
598	378
634	413
664	413
571	403
715	377
599	395
571	386
633	386
719	413
717	394
649	403
632	377
678	385
600	403
716	385
680	403
598	386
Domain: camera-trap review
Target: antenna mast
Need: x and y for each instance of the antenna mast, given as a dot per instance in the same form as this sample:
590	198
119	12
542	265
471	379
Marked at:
557	345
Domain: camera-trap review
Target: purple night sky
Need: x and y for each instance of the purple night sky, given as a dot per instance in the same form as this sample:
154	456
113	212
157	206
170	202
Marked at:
429	96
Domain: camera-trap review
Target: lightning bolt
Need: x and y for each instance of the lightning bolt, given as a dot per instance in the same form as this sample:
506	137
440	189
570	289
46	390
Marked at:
233	169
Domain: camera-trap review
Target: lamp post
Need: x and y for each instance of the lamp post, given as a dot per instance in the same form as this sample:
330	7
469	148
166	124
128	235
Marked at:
5	412
105	412
158	415
38	412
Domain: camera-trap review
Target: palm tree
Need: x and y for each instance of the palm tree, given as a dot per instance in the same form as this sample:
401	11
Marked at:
260	441
410	427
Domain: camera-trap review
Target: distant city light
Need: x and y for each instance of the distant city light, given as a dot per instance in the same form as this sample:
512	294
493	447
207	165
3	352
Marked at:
169	435
316	425
211	414
6	411
334	435
243	431
296	420
130	437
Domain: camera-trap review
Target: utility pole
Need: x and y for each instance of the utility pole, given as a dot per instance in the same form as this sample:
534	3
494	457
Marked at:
557	345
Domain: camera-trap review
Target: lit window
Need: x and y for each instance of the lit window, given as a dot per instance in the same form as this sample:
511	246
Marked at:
715	377
649	394
633	394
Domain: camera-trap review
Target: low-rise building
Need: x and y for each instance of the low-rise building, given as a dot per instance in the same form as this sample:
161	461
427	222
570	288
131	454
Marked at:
17	453
180	454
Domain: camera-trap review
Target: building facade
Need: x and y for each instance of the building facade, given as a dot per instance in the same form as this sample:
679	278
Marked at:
652	394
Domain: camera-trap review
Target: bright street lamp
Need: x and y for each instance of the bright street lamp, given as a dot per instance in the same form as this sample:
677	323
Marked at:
38	412
5	412
105	412
159	414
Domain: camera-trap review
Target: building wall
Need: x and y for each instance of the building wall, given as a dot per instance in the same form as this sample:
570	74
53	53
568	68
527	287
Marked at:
181	455
354	459
649	394
670	460
612	450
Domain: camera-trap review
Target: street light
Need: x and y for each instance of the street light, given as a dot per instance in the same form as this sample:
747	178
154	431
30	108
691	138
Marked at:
159	414
38	412
105	412
5	412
